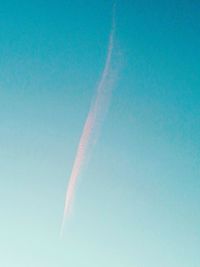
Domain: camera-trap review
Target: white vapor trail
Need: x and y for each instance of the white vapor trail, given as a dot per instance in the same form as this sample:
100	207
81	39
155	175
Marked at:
98	107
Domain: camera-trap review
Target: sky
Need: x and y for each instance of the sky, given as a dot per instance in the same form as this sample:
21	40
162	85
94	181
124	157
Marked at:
137	198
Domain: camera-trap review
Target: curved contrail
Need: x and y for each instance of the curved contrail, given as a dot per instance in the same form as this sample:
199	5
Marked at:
104	89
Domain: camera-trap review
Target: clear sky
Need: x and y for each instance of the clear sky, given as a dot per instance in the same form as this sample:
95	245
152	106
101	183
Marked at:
137	200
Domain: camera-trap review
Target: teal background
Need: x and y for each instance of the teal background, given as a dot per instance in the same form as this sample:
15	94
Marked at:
137	200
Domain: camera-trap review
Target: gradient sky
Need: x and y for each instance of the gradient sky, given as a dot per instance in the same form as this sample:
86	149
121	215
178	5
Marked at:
137	200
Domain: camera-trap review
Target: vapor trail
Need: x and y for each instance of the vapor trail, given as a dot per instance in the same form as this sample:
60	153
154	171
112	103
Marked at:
103	92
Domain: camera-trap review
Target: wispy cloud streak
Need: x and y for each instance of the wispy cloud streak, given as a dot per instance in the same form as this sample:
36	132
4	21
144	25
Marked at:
98	107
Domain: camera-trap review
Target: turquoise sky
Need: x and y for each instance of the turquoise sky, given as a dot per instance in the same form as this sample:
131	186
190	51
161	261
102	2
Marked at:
137	200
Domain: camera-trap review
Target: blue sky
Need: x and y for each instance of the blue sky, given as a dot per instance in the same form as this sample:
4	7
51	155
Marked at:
137	200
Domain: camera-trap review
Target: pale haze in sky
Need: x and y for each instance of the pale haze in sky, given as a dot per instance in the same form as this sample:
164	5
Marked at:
137	198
